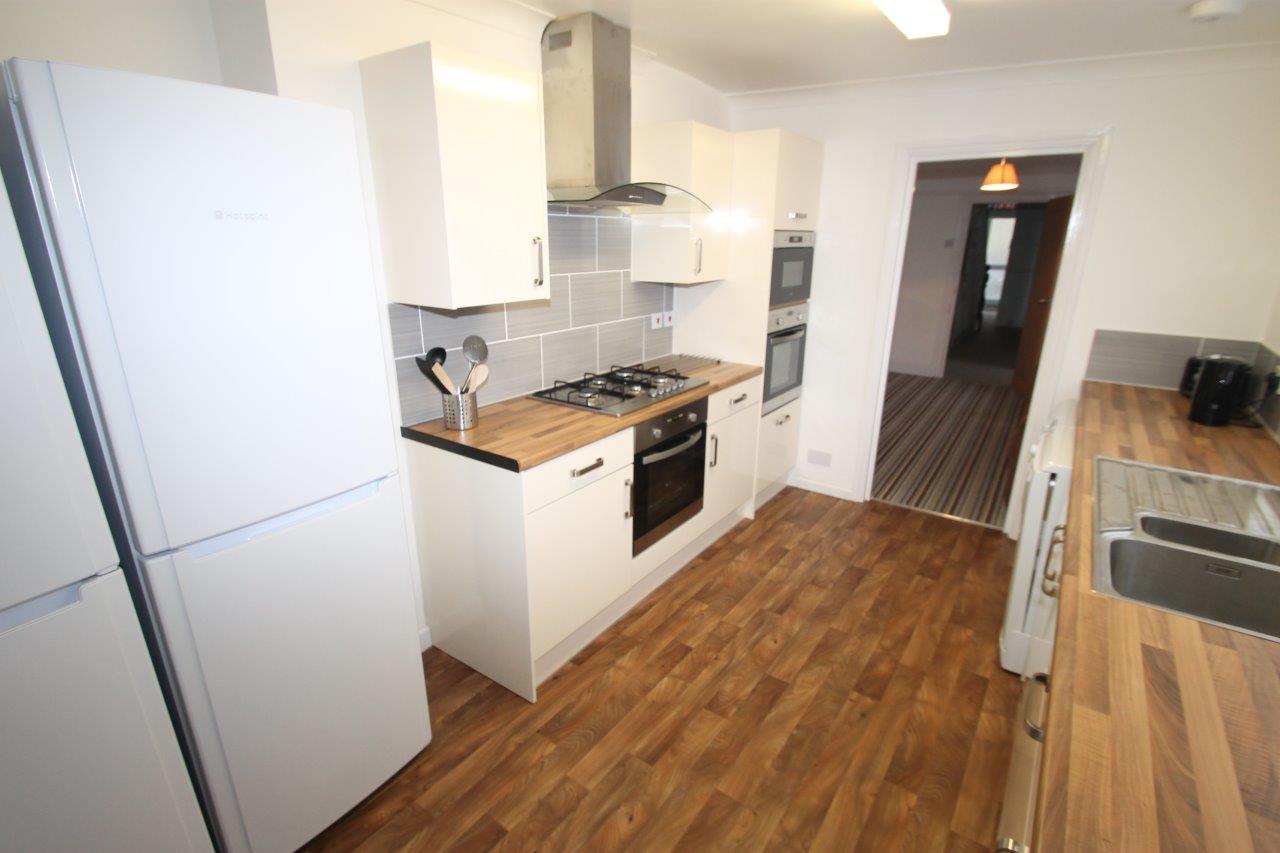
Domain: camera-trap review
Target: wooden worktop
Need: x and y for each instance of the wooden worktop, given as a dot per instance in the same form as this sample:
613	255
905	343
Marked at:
523	432
1163	732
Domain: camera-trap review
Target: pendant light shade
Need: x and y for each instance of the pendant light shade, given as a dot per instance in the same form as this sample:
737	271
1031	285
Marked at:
1002	177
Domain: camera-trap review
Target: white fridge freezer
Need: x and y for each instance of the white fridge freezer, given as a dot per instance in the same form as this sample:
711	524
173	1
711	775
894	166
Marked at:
203	260
88	757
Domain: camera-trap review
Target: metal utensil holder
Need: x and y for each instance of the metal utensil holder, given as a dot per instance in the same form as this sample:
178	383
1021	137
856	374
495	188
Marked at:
460	411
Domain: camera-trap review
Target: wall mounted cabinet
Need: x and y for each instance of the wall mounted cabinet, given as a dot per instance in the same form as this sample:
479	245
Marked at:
456	142
683	248
799	182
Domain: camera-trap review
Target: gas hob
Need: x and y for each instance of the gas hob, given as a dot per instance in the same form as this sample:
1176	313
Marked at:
622	390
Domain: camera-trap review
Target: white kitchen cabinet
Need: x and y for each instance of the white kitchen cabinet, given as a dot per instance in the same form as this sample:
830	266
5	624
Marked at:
799	182
683	247
779	442
521	569
456	142
731	462
578	552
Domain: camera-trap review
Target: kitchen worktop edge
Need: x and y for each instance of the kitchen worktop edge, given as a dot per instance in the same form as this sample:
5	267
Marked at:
522	432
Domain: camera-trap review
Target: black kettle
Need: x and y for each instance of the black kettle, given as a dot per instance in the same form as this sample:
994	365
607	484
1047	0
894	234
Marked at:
1220	389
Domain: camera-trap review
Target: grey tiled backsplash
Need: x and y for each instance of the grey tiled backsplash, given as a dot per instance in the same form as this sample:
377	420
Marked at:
594	317
1140	358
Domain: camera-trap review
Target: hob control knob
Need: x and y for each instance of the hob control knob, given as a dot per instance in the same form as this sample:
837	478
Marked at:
657	432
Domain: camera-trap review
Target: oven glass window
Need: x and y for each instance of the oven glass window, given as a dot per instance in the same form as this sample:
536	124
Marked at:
668	483
784	371
793	274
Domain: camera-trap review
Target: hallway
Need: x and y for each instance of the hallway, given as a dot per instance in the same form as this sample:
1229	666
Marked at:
948	446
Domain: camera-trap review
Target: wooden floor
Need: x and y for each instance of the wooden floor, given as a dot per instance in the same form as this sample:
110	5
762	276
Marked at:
824	677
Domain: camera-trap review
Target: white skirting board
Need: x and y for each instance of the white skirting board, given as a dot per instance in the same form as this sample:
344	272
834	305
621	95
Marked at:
424	638
823	489
769	492
546	666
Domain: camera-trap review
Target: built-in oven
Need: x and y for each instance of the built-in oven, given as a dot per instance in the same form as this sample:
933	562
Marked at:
784	356
669	474
792	267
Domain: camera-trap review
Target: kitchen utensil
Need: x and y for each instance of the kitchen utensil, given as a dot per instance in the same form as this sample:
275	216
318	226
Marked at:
437	354
478	376
445	383
460	411
427	366
476	352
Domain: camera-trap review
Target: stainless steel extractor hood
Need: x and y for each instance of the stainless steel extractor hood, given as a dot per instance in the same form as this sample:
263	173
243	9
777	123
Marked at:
586	97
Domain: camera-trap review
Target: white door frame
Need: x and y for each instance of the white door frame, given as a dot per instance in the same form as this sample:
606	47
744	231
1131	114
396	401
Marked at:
1092	145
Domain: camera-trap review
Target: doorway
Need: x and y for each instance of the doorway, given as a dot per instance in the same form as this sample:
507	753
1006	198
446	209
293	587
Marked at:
976	291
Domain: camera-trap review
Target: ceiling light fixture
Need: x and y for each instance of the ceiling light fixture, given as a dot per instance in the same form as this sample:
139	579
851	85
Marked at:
1001	177
917	19
1205	11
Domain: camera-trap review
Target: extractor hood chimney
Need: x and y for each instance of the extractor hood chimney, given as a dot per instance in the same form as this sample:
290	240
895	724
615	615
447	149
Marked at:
586	101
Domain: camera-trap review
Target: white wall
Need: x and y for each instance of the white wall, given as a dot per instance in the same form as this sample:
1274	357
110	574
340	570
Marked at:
1272	336
1169	251
930	279
171	38
661	93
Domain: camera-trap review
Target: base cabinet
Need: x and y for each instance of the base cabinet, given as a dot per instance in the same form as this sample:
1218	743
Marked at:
579	551
779	442
731	462
521	569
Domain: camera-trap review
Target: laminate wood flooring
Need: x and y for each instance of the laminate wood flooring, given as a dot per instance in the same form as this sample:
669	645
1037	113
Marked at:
824	677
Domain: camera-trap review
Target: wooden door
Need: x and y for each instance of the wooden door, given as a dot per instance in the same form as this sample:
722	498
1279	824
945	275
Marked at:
1040	302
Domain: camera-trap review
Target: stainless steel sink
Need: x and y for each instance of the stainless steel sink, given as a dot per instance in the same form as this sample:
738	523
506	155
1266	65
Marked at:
1220	540
1206	547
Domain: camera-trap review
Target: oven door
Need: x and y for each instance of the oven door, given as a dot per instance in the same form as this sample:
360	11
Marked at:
783	368
668	486
792	275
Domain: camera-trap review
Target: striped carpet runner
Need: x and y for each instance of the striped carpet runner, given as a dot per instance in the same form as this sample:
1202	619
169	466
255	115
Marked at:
948	446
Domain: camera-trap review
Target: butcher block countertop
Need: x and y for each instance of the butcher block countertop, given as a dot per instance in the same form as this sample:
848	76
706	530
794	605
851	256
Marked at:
521	433
1163	732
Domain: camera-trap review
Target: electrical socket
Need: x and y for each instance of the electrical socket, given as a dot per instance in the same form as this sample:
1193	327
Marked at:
668	319
655	321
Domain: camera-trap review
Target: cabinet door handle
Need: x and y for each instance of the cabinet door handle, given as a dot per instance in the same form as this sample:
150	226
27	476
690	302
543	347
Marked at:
715	450
538	277
738	399
795	214
578	472
1059	537
697	263
631	499
1036	730
782	420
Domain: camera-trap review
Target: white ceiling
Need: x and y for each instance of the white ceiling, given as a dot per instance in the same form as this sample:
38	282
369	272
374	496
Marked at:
750	45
